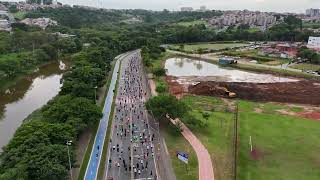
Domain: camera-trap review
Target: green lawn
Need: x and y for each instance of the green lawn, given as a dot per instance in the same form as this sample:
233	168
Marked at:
262	59
192	23
217	134
175	141
306	66
311	25
286	146
213	46
20	15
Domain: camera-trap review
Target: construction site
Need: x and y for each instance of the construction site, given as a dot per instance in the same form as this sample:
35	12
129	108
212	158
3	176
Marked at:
187	76
300	92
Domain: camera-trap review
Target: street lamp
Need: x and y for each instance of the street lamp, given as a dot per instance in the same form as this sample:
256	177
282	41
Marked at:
95	94
69	143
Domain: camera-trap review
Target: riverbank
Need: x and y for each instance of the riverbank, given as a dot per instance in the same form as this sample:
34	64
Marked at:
28	94
8	82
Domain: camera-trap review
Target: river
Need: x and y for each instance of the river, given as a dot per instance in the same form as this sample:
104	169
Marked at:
27	95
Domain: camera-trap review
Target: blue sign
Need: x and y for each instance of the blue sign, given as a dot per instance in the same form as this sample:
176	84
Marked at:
183	156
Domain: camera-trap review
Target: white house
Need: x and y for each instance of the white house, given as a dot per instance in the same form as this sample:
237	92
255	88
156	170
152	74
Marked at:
314	43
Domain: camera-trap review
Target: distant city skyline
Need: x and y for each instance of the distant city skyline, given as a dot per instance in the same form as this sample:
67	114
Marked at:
296	6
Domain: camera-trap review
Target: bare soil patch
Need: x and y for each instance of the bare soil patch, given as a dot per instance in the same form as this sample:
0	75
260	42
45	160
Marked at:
311	115
302	92
256	154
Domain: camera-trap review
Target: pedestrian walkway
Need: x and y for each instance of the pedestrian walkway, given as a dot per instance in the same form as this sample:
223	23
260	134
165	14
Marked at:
203	156
204	159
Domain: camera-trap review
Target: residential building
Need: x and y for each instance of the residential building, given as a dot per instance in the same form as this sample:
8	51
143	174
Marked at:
314	43
41	22
313	12
236	18
203	8
5	25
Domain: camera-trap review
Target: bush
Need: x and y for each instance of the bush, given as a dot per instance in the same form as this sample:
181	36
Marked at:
161	88
159	72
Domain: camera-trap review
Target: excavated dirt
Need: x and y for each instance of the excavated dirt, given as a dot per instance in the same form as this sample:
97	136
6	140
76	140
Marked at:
176	88
302	92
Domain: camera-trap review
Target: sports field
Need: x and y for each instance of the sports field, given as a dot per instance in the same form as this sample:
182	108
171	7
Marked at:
211	46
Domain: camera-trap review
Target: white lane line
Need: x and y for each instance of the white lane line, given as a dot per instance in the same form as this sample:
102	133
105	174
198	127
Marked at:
165	146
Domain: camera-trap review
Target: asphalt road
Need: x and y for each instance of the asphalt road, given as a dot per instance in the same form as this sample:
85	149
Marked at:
131	153
95	157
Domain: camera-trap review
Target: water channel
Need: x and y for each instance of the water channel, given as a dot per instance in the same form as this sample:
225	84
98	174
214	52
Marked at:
204	71
28	94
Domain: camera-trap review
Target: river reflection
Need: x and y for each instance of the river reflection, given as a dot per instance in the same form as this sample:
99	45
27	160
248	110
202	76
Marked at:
184	67
29	94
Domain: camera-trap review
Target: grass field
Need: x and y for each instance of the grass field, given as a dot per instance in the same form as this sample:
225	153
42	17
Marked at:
286	147
305	66
253	54
192	23
20	15
175	141
311	25
217	134
213	46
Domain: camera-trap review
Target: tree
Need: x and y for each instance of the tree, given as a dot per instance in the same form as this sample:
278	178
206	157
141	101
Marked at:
205	116
309	54
200	51
166	104
181	47
64	108
146	56
161	88
159	71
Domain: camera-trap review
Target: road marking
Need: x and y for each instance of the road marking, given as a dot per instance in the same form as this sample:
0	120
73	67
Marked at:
165	146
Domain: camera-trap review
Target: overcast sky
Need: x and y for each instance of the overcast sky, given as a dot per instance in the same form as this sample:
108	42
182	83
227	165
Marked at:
261	5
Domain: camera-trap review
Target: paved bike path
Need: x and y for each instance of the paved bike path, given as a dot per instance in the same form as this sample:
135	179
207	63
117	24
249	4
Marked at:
95	157
204	159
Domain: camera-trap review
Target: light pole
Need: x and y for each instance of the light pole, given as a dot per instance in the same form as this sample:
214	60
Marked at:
95	94
69	143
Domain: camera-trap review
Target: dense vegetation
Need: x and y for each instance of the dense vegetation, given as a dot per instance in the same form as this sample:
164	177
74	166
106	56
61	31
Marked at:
38	149
22	51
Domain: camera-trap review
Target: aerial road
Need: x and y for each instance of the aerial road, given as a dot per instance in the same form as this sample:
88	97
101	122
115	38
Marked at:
95	156
131	153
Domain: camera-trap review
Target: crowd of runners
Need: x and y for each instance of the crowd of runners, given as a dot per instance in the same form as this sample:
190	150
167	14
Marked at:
131	146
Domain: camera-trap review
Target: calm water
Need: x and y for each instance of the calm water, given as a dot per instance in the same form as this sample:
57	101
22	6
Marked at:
29	94
184	67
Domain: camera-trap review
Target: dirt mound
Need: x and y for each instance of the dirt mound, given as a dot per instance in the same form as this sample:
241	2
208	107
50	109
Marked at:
175	88
311	115
302	92
256	154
